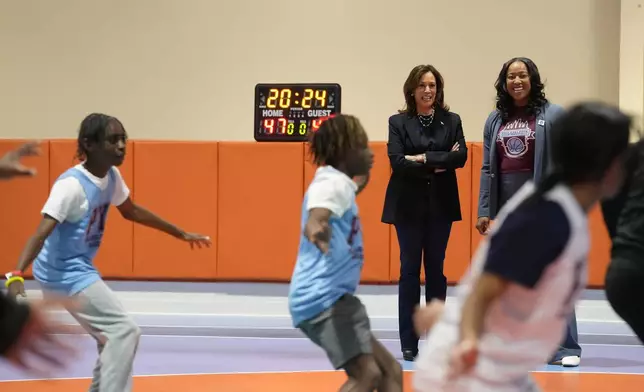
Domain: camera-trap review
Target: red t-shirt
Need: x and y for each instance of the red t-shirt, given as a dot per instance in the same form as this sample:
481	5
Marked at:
515	144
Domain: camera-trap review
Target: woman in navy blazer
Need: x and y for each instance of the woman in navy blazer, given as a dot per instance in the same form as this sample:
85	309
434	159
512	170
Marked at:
426	145
515	150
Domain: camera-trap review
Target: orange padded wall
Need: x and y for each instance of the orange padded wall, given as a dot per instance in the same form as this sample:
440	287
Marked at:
178	182
260	194
247	196
21	200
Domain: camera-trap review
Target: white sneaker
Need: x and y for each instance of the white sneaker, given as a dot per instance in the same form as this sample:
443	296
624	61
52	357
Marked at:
571	361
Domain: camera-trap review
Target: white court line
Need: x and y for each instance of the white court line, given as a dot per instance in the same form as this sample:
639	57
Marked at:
296	338
566	372
269	328
286	316
183	374
261	328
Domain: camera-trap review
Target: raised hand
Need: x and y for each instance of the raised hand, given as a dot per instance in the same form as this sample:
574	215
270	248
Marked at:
463	358
38	339
426	317
10	165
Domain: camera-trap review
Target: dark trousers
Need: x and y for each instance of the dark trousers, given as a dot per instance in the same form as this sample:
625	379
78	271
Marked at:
624	285
426	241
569	346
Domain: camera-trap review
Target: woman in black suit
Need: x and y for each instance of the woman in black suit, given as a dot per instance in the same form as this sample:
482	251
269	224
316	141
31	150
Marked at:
426	145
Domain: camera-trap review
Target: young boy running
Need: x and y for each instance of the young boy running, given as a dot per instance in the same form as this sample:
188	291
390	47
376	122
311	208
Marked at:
330	258
69	235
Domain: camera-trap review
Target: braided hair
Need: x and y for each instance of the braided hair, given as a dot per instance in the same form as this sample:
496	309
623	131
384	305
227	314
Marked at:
93	129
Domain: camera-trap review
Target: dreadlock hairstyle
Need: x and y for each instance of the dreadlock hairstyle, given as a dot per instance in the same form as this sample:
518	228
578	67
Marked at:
338	135
586	140
93	129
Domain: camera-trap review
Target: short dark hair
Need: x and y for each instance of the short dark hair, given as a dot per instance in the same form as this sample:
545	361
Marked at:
336	136
537	97
93	129
412	83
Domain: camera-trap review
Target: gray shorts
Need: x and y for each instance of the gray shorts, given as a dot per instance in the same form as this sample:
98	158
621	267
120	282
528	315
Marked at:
343	331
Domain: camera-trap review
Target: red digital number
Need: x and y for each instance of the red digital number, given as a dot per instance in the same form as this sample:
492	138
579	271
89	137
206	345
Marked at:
269	125
281	125
315	125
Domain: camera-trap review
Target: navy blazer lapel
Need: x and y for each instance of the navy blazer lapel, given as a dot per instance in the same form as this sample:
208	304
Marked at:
412	127
448	137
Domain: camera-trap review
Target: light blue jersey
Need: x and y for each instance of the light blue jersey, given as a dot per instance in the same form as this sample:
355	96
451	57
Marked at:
65	265
319	280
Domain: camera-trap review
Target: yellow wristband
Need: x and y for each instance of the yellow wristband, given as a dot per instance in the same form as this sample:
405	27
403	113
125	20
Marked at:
14	279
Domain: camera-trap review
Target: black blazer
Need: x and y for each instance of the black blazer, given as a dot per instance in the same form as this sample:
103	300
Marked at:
414	189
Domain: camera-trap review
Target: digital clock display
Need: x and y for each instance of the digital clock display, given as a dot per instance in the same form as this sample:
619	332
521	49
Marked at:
289	112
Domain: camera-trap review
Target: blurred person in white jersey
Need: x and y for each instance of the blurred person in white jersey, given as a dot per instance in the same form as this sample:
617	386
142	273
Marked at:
511	307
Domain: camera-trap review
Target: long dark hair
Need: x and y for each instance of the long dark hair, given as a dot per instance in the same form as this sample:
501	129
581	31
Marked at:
586	140
536	99
412	83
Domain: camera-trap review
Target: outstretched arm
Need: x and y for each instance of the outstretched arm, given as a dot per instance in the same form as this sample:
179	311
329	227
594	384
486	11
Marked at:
10	165
135	213
487	289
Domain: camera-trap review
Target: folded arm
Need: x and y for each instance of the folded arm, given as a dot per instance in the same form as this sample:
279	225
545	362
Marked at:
396	151
450	159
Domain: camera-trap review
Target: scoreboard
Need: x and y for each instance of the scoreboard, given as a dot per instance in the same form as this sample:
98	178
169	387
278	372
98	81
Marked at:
289	112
